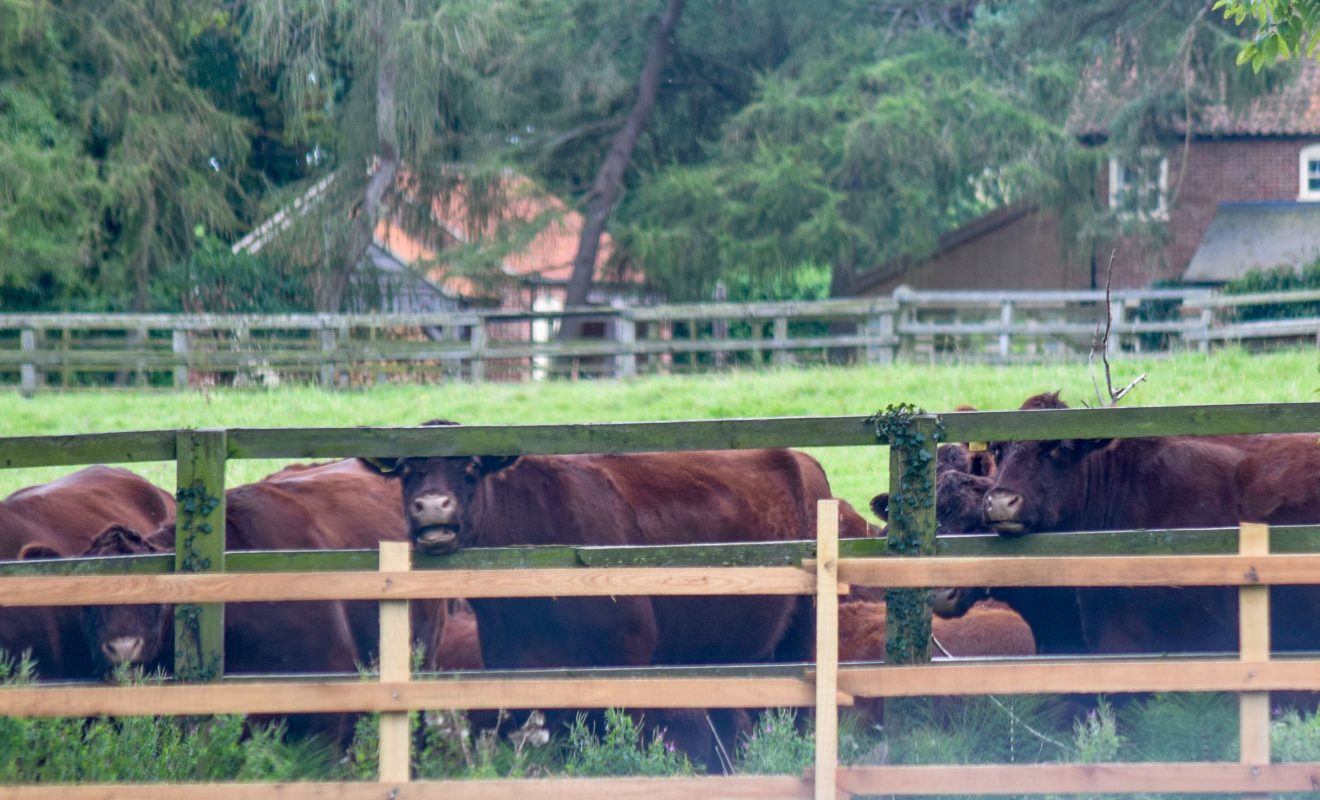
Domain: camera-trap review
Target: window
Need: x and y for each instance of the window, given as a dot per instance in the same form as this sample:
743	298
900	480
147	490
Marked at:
1139	187
1308	169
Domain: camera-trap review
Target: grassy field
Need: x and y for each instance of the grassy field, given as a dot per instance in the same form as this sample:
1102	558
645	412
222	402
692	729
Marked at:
1229	376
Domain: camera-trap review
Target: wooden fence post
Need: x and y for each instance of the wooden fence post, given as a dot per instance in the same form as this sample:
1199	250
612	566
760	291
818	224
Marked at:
1005	338
827	649
1254	637
479	349
1207	322
66	374
27	342
139	340
880	325
199	546
179	345
395	667
780	357
625	333
329	343
719	327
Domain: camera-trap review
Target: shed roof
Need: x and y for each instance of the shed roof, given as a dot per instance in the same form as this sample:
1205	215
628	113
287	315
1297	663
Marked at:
1257	235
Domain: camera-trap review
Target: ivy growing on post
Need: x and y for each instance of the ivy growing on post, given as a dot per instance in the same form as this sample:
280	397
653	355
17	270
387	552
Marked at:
199	547
194	506
912	436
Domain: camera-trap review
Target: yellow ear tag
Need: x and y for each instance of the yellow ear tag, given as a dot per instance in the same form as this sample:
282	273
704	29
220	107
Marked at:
977	447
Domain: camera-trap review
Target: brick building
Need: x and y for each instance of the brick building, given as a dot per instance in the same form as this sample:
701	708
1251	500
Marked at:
1254	166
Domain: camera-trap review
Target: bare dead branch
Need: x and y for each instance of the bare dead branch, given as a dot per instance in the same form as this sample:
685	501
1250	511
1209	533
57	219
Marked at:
1101	340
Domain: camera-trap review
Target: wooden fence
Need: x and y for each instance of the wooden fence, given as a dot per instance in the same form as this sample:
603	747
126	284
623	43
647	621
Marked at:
824	567
63	350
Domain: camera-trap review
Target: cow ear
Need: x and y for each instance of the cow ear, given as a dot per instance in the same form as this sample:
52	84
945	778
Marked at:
382	465
880	505
35	552
981	463
489	464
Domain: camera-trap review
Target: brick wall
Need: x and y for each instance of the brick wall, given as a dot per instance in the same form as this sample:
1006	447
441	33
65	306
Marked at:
1215	171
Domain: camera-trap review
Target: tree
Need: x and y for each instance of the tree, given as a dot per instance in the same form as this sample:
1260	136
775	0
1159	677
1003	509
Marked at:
885	126
110	154
395	95
1285	29
607	186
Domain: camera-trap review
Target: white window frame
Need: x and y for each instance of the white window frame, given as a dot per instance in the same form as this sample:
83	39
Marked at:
1116	187
1308	156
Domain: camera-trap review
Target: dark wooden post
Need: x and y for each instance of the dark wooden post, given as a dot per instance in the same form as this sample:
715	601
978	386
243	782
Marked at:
199	546
911	533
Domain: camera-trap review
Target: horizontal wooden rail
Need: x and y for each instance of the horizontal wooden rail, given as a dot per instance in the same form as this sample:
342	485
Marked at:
621	437
1273	570
1091	676
900	780
1304	326
270	587
1215	570
1187	541
1104	423
91	448
737	787
1143	779
293	696
624	437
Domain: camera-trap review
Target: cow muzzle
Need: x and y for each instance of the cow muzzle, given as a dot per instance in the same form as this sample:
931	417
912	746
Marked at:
122	650
1003	511
434	518
437	539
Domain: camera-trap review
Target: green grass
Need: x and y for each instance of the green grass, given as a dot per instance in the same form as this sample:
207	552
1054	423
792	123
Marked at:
1229	376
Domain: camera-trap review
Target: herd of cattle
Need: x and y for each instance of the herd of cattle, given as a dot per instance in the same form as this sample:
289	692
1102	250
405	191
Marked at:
443	504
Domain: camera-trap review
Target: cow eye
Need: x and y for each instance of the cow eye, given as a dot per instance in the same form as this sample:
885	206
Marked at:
472	471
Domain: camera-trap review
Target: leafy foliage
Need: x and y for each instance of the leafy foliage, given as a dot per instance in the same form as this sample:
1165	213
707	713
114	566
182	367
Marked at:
1279	279
215	280
148	749
1285	29
621	749
777	746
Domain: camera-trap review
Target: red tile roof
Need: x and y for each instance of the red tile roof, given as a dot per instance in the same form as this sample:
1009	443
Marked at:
1292	110
547	257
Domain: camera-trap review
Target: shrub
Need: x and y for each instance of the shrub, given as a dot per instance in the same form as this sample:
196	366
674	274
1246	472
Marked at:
148	749
621	750
1279	279
776	746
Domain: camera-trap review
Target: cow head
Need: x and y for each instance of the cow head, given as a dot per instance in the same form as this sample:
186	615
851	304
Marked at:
125	634
438	494
1037	481
956	601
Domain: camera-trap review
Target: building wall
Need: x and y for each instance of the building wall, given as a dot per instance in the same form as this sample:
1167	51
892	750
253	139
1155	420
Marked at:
1216	170
1024	253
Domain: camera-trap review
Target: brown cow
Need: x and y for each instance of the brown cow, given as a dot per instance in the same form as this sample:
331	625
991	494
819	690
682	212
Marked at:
331	506
460	646
985	629
59	519
644	498
1172	482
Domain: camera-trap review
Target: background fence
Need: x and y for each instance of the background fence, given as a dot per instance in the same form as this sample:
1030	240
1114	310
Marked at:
63	350
807	567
